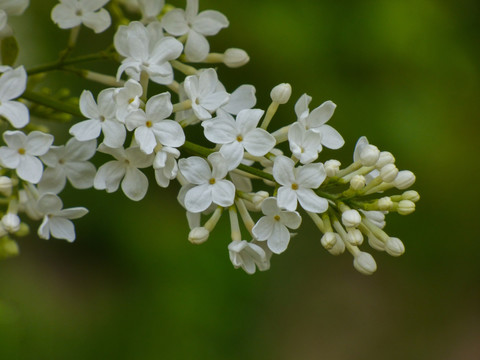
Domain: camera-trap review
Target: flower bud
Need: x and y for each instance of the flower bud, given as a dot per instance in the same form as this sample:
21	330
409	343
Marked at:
328	240
258	198
394	247
339	246
331	167
281	93
388	173
234	57
369	155
411	195
384	159
376	243
351	218
406	207
5	186
404	179
364	263
11	222
198	235
355	237
357	182
385	203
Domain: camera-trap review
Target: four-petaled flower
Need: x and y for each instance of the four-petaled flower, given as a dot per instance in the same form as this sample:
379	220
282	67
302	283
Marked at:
248	256
71	13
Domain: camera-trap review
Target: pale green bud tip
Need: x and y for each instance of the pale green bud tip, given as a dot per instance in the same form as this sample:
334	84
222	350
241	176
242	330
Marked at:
411	195
328	240
404	179
388	173
332	167
364	263
384	158
357	182
281	93
6	185
355	237
8	247
385	203
351	218
198	235
234	57
369	155
394	246
406	207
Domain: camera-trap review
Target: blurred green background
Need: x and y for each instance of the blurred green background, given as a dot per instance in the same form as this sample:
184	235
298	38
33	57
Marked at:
404	73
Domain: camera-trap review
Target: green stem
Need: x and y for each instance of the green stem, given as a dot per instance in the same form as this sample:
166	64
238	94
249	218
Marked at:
51	103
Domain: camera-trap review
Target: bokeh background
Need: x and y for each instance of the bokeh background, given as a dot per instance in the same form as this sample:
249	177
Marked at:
405	73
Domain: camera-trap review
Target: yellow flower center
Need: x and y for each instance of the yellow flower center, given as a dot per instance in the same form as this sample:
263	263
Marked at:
294	186
21	151
212	181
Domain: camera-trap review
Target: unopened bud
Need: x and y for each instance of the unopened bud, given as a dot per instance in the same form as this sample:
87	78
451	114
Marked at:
332	167
384	159
365	263
389	172
355	237
394	246
369	155
357	182
281	93
5	186
339	246
411	195
351	218
198	235
11	222
258	198
376	243
385	203
404	179
328	240
406	207
234	57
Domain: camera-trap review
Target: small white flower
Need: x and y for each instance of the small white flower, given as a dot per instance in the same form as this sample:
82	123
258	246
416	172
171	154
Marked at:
211	187
273	226
56	221
304	144
127	99
126	165
21	153
101	118
297	184
316	121
71	13
203	90
237	136
165	165
12	85
68	162
180	22
248	256
151	126
146	49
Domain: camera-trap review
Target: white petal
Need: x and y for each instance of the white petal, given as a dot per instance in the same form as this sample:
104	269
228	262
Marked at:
233	154
86	130
223	193
270	207
80	150
159	107
114	133
258	142
247	120
311	175
61	228
175	23
263	228
135	184
209	22
195	169
145	138
9	158
279	239
290	219
49	204
321	114
13	83
38	143
220	130
219	165
242	98
98	21
80	174
109	176
311	201
30	169
169	133
197	47
53	180
331	138
16	113
64	16
88	106
301	106
198	198
283	170
287	198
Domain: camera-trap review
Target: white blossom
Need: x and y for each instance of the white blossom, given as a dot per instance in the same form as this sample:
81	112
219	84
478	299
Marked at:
22	151
127	99
248	256
197	25
68	162
165	165
146	49
12	85
101	118
56	221
70	13
124	169
304	144
273	226
210	185
297	184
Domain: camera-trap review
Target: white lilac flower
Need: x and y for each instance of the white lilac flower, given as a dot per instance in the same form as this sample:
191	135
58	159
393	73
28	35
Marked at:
12	85
304	144
124	169
239	135
273	226
21	153
101	118
210	185
9	8
68	162
127	99
180	22
203	90
152	128
150	9
146	50
297	184
71	13
248	256
316	121
165	165
56	221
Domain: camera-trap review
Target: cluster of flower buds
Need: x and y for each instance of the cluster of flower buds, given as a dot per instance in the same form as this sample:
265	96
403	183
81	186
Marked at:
145	132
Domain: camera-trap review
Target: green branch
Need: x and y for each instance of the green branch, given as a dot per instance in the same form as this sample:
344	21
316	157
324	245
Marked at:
51	103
